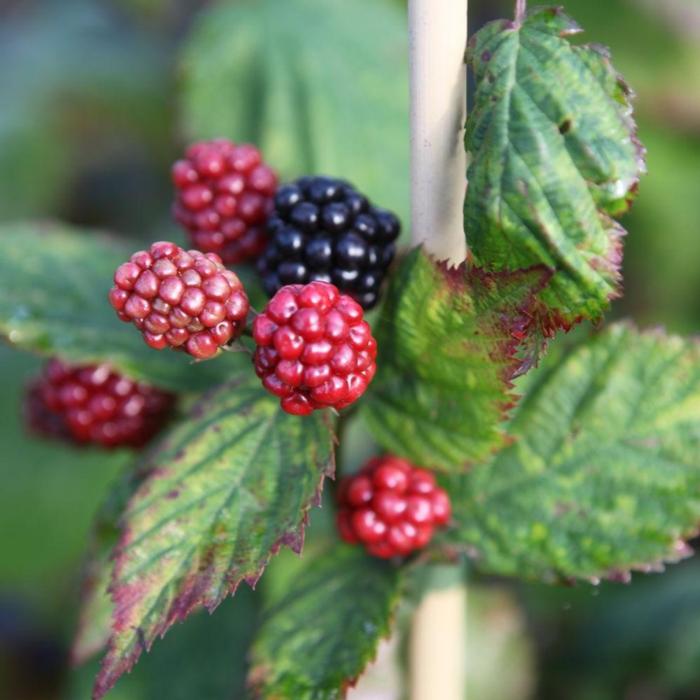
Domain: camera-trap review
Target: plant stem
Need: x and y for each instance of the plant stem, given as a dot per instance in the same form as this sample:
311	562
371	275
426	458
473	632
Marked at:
520	11
438	38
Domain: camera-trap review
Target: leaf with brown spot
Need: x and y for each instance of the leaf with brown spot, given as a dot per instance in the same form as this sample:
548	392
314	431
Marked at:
242	493
603	475
553	158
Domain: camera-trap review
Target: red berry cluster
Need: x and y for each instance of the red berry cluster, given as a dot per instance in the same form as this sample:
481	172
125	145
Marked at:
93	404
225	193
180	299
314	348
391	507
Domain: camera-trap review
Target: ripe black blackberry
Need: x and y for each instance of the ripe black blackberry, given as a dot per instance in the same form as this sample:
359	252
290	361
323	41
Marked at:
324	229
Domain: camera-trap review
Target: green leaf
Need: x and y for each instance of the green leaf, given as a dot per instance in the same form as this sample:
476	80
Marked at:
54	282
603	475
553	157
94	626
316	640
226	490
205	659
449	343
320	85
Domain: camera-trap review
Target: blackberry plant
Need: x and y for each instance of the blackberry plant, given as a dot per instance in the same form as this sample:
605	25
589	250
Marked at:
498	443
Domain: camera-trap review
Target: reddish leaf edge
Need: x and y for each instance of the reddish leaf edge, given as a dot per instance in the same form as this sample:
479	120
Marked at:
93	564
611	261
680	548
112	666
527	327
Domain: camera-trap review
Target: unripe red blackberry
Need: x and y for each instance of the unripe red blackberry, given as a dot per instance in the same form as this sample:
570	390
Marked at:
324	229
391	507
224	195
315	350
93	404
181	299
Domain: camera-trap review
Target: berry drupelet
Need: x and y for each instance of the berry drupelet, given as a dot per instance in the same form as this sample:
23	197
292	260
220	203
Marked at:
224	195
391	507
323	229
92	404
314	350
180	299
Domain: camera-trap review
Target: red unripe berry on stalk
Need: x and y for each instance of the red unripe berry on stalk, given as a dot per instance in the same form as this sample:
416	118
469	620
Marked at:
224	195
314	348
92	404
186	300
391	507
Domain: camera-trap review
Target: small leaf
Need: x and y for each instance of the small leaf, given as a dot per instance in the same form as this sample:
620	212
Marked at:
449	343
316	640
553	157
321	86
94	626
226	490
54	282
603	475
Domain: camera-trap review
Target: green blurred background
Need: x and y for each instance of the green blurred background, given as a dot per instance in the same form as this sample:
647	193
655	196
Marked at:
88	129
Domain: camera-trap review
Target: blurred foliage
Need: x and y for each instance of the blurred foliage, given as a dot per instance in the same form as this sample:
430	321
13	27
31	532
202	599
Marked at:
87	132
85	115
301	82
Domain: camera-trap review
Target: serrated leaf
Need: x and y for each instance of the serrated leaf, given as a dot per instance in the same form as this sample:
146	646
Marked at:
553	157
226	490
449	344
94	626
54	282
316	640
320	85
603	475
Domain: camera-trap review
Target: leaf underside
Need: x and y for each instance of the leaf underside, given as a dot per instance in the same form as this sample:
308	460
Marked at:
54	282
318	85
225	491
603	476
553	157
449	343
316	640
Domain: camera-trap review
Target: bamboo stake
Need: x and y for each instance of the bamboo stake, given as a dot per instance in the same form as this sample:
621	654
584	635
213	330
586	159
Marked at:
438	38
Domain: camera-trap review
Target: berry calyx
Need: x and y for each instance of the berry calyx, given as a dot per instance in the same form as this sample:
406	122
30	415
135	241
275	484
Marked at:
93	404
314	348
186	300
391	507
324	229
224	196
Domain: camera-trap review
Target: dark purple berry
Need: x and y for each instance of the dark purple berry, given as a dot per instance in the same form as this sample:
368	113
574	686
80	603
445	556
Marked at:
351	251
323	229
319	252
305	216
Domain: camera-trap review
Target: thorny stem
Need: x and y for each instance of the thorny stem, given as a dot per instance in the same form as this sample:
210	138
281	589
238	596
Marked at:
520	11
